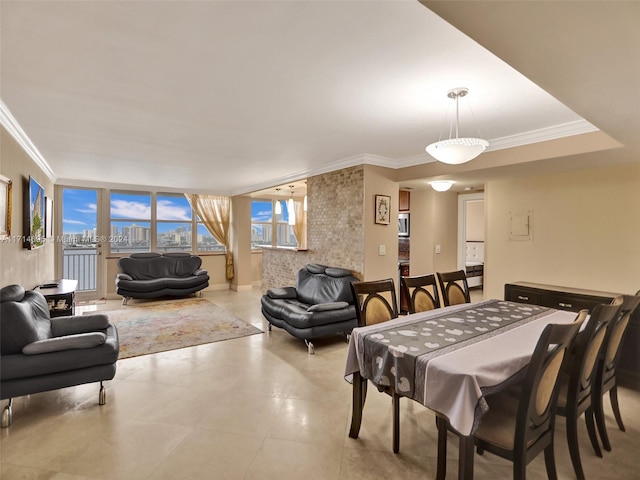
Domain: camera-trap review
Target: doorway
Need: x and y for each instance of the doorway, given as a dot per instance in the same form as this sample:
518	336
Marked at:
79	253
471	238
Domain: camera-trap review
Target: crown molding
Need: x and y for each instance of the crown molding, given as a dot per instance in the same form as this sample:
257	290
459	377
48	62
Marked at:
8	121
568	129
360	159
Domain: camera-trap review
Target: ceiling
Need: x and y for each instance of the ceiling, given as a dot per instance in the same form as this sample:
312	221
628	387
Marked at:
238	97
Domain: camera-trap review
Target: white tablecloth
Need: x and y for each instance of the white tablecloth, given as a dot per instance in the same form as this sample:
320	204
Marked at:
454	381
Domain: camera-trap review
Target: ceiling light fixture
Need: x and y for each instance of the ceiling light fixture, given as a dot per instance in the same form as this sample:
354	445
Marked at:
290	210
278	206
441	185
457	150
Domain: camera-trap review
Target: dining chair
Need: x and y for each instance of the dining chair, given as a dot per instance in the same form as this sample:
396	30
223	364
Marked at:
577	382
376	302
606	371
518	428
454	287
419	297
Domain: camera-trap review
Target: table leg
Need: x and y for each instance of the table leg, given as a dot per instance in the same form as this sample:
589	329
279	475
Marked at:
356	405
465	460
441	472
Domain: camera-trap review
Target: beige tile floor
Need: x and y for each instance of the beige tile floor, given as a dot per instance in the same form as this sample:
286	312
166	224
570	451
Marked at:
257	407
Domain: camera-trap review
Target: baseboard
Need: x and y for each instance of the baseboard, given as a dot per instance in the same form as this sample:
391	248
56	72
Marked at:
241	288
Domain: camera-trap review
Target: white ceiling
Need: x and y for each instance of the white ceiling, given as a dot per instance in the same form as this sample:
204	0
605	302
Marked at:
233	97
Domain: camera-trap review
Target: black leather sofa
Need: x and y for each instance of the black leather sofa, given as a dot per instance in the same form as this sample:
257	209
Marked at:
320	304
39	354
152	275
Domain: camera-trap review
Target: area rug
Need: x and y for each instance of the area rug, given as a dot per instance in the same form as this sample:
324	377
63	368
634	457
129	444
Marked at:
171	325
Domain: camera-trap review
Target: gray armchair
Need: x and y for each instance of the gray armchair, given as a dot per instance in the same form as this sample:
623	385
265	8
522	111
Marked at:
39	354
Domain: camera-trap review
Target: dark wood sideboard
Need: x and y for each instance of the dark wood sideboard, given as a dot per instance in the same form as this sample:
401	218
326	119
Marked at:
575	299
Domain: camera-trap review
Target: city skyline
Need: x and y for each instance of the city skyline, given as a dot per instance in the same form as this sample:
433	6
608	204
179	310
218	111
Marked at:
80	208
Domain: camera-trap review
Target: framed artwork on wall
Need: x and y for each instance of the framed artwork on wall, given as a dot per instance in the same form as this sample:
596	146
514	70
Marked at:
5	206
34	214
383	208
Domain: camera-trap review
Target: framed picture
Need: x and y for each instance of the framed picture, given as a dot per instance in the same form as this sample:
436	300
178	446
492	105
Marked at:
5	206
34	215
383	207
48	217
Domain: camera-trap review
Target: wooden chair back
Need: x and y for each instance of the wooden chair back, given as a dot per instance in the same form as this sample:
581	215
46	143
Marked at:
375	301
454	287
537	406
421	292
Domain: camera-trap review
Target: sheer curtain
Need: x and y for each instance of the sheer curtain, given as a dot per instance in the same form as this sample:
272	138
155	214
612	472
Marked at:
300	228
215	213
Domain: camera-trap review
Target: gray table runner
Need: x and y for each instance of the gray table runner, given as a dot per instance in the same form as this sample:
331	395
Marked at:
402	350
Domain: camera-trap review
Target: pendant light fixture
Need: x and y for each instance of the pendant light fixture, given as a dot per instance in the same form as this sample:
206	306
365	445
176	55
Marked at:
292	214
457	150
278	206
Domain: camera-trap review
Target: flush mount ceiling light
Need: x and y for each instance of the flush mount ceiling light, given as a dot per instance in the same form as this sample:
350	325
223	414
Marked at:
441	185
457	150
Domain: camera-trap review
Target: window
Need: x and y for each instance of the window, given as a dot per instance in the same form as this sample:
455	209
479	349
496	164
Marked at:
172	221
205	241
261	223
265	220
130	216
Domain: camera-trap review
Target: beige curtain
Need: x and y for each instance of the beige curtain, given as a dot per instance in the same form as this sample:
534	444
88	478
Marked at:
300	228
215	213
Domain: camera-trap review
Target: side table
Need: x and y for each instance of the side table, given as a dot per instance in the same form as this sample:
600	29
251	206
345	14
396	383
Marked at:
60	295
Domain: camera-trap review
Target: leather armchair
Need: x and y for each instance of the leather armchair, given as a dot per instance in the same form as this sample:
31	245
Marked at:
320	304
39	354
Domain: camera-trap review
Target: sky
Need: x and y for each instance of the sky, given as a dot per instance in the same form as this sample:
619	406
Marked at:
80	209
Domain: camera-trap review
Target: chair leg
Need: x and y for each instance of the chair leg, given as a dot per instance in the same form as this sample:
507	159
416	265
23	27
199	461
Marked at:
310	347
395	401
591	428
102	396
549	462
602	428
574	449
613	396
7	414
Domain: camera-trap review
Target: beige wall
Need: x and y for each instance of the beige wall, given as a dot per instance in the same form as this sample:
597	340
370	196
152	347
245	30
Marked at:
586	231
19	265
434	221
475	221
378	181
241	243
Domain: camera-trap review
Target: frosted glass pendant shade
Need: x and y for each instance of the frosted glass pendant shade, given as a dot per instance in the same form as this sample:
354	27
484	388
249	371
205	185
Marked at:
455	151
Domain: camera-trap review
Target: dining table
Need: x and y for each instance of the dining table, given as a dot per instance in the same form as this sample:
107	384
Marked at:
448	360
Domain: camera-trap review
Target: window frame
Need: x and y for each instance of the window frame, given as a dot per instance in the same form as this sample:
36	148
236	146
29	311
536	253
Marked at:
275	224
154	222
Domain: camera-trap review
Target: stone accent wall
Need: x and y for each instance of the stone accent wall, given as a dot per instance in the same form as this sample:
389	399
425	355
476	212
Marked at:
335	229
